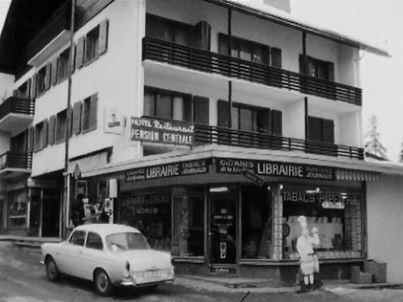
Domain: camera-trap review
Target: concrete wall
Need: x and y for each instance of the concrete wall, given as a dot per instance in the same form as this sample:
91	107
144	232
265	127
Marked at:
385	224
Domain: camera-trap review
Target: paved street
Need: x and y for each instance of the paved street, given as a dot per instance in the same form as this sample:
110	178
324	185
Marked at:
22	279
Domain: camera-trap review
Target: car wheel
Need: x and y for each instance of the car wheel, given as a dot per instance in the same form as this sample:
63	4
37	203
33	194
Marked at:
102	283
151	288
52	271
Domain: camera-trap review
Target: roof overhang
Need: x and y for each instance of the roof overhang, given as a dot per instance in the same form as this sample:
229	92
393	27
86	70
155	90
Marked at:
283	18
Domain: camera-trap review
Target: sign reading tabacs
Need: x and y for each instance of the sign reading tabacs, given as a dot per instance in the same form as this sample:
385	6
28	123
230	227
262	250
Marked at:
159	131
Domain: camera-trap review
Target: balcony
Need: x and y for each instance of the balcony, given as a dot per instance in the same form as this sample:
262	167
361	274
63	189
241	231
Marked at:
16	114
53	35
237	138
205	61
15	164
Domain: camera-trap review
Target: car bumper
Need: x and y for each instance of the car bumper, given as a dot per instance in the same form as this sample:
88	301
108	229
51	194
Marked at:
135	284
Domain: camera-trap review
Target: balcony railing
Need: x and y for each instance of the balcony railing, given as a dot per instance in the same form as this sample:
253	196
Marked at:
59	21
230	137
189	57
17	106
11	160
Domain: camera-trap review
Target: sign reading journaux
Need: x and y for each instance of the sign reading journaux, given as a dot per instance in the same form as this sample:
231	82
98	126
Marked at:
159	131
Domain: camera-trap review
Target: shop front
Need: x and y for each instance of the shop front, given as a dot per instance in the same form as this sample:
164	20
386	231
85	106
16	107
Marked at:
216	219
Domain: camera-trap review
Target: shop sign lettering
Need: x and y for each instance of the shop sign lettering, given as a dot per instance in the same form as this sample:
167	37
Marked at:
328	200
277	169
158	131
193	167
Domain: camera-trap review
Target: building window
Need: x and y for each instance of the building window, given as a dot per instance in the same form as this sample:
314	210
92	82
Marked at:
150	213
23	91
18	143
61	123
167	105
41	135
256	223
318	68
320	130
41	78
91	44
335	212
89	115
63	65
17	209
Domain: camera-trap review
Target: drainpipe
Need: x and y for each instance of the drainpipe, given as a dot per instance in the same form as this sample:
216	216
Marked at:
305	72
229	54
67	193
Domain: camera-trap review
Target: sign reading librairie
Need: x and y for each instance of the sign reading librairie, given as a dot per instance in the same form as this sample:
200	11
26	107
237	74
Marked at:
159	131
277	169
193	167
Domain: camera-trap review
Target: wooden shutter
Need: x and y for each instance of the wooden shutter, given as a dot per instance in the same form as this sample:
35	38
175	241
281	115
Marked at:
45	133
52	127
103	37
264	121
223	44
79	59
33	86
77	110
331	71
275	54
69	121
277	122
328	131
201	110
201	36
314	128
187	109
29	89
54	71
31	140
223	113
93	112
47	75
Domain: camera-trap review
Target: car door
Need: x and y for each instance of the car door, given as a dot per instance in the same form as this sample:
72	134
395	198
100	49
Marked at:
72	254
94	255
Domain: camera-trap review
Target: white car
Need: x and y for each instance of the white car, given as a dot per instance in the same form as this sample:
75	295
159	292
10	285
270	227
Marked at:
110	255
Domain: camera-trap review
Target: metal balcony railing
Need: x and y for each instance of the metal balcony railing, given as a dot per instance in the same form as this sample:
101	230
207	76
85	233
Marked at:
18	106
15	161
206	61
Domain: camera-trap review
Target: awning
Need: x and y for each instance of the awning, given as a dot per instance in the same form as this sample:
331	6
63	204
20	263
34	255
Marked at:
355	175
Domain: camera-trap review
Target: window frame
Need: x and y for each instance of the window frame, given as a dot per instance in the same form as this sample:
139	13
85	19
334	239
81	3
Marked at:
78	231
64	57
92	36
59	139
41	81
94	248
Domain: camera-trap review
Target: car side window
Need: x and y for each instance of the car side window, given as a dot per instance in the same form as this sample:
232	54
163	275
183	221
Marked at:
77	238
94	241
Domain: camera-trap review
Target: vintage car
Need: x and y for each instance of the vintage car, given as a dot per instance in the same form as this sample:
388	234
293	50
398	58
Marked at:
110	255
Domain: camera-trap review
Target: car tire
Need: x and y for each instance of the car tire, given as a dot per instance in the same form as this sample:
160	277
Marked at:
52	272
102	283
151	288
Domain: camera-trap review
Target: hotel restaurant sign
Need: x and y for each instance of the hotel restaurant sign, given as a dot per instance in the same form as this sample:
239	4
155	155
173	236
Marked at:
276	169
159	131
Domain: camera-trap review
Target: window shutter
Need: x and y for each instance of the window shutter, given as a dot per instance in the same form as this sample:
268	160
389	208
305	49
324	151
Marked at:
103	37
187	109
277	122
72	61
223	113
31	139
28	95
93	112
77	110
264	121
275	54
37	139
69	121
201	36
222	44
331	71
314	128
45	133
201	110
328	131
52	127
33	86
47	75
79	53
54	71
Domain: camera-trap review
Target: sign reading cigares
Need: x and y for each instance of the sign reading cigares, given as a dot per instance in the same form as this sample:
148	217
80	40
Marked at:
160	131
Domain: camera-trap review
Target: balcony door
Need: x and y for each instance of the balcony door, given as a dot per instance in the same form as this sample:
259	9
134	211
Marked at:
18	143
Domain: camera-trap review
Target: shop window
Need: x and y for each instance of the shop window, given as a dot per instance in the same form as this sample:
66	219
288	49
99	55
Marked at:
17	209
61	123
337	214
63	65
150	213
256	223
188	211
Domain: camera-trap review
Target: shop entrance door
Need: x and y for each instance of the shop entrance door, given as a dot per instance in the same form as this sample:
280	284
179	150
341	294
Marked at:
51	213
223	231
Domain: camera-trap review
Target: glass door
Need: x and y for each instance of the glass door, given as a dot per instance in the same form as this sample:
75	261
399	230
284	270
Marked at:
223	225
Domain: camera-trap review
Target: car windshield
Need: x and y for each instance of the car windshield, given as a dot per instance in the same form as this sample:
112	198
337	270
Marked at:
126	241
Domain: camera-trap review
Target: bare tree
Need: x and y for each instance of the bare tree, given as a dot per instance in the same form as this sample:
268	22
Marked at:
373	144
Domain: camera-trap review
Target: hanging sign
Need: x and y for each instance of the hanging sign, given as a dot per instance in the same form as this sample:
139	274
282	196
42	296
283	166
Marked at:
277	169
192	167
253	177
158	131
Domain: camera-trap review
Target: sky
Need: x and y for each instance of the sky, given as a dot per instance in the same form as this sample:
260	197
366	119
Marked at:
377	22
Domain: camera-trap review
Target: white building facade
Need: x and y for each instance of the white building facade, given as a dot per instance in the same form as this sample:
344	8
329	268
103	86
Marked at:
209	125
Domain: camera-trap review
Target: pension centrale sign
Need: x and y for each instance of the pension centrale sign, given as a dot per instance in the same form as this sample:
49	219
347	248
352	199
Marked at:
160	131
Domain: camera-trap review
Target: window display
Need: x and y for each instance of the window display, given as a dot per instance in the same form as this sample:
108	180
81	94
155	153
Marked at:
150	213
256	223
17	209
335	213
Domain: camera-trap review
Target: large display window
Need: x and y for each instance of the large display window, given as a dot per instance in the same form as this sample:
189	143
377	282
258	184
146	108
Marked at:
150	213
335	212
17	209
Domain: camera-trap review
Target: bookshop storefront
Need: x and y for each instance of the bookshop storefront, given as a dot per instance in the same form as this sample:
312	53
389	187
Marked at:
239	216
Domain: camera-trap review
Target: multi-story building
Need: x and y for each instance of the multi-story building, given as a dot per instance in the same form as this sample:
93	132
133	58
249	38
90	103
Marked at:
210	125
